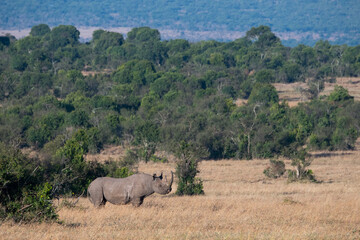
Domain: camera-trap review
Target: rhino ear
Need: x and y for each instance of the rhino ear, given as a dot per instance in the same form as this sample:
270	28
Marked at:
161	176
154	176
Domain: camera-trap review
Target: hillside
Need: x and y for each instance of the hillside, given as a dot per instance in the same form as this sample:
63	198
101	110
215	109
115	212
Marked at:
294	21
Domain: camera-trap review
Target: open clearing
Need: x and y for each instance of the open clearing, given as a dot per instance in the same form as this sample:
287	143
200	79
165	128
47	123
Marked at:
290	91
239	203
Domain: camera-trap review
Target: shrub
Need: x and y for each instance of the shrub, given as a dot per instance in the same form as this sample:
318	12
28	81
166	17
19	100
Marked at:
186	170
276	169
295	175
24	193
301	160
340	94
73	173
116	169
194	187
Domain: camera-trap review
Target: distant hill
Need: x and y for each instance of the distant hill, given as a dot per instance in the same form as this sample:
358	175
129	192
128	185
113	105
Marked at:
294	21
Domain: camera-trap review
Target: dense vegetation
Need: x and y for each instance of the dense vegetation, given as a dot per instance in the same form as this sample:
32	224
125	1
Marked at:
334	20
151	95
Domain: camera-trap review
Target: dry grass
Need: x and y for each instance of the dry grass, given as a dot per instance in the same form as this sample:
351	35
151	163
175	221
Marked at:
109	153
290	93
240	203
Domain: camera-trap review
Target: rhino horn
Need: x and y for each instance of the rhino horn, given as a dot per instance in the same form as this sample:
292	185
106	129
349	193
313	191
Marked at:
172	178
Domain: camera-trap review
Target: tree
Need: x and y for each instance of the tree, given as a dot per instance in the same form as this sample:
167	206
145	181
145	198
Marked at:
18	62
303	55
293	72
177	46
40	30
136	72
4	40
263	94
73	174
102	40
255	32
143	34
186	169
262	37
340	94
316	85
63	35
246	116
301	160
147	136
154	51
323	51
166	82
265	76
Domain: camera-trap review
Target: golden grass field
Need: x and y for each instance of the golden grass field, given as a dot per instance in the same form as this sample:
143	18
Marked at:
239	203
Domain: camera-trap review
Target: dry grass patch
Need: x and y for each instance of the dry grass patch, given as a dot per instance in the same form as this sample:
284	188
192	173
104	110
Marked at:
239	203
109	153
291	91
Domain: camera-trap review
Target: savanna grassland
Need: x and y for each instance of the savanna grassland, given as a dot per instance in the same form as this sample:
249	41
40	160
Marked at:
239	203
215	100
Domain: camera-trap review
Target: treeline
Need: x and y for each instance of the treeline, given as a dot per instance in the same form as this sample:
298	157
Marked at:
150	95
334	20
149	92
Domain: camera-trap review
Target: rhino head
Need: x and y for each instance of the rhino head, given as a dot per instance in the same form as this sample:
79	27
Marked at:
160	185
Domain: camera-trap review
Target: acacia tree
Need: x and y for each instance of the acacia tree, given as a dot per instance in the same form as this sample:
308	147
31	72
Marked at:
301	160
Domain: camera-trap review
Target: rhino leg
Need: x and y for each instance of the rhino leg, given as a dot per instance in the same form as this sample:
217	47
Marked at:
97	199
136	202
102	204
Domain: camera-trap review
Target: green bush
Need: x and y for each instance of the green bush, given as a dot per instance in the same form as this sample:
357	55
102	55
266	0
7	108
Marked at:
186	170
194	187
24	193
116	169
301	160
72	174
308	175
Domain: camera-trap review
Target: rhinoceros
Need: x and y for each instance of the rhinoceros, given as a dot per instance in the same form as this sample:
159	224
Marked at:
132	189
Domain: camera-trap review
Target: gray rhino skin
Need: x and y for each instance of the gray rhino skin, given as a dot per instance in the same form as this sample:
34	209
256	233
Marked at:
124	190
